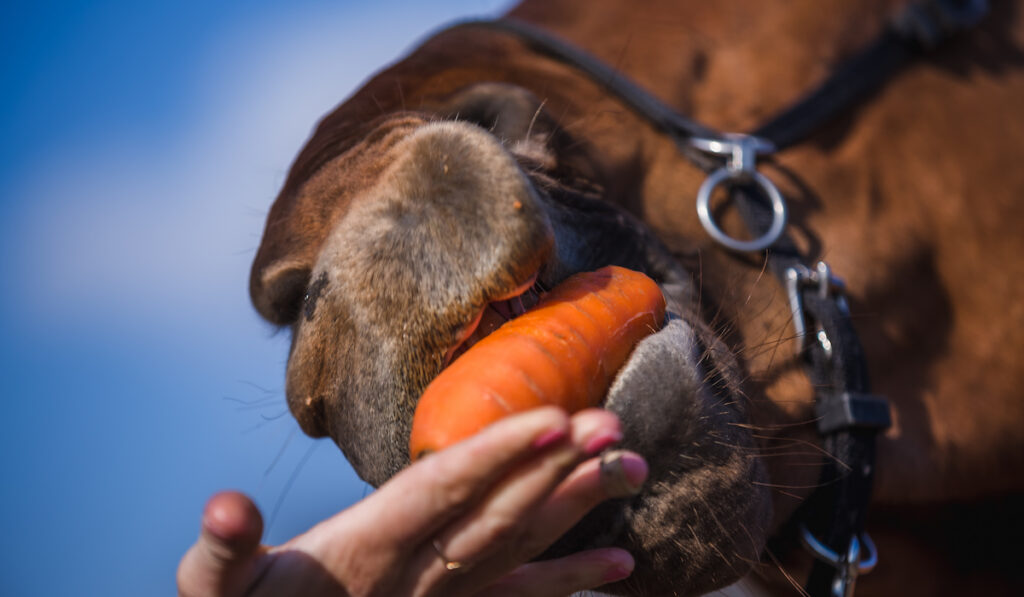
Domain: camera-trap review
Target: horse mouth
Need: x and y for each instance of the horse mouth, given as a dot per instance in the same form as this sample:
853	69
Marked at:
503	309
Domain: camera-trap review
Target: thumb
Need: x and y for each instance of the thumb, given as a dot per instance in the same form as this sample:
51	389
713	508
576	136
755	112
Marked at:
223	561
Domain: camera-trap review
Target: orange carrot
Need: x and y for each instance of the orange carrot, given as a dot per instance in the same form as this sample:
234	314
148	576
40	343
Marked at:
565	352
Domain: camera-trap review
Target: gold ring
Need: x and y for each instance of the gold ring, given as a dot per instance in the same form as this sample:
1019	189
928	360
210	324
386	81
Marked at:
448	564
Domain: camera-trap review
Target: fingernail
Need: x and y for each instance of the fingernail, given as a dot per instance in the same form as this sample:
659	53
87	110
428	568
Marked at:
622	473
616	572
601	441
230	518
549	438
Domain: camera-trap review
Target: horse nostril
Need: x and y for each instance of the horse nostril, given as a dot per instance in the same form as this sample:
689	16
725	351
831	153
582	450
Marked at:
277	290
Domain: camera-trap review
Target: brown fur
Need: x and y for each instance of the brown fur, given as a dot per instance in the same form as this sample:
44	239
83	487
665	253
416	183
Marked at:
914	198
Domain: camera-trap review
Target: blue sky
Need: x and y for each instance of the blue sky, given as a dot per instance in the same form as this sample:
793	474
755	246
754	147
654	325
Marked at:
140	147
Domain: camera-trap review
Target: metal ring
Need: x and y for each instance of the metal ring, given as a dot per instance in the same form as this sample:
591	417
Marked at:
450	565
778	209
827	555
867	564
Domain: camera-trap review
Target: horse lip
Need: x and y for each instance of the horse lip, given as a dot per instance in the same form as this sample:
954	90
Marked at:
515	308
463	335
519	290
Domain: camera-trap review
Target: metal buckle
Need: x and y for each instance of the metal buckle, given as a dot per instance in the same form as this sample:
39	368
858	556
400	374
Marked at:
848	565
741	167
848	410
828	285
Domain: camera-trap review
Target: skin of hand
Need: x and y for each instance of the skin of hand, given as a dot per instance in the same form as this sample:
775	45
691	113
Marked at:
463	521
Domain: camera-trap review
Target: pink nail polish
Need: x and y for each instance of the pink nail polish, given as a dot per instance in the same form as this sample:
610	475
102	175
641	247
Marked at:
601	441
549	438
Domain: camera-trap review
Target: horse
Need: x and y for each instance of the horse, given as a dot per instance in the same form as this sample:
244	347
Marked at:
393	228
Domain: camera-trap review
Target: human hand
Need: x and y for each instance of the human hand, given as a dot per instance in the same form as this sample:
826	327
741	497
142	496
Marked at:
462	521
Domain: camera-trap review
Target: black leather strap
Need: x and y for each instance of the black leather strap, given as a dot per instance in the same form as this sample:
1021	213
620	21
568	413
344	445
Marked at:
918	26
853	82
837	369
851	409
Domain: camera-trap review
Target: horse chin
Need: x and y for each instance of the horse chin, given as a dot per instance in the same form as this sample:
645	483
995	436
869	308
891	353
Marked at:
702	517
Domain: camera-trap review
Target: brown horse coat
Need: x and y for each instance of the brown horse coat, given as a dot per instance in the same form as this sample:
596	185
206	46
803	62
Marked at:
914	198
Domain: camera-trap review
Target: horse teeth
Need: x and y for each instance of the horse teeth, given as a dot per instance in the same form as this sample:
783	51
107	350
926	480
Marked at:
502	308
517	306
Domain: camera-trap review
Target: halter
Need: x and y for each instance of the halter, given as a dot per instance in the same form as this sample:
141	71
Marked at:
849	417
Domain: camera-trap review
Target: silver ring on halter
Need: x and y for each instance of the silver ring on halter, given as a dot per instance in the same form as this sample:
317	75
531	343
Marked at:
852	556
741	167
848	565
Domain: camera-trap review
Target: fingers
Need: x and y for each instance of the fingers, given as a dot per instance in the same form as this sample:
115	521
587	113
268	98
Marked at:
490	502
563	576
615	474
500	519
424	497
382	533
505	529
223	561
